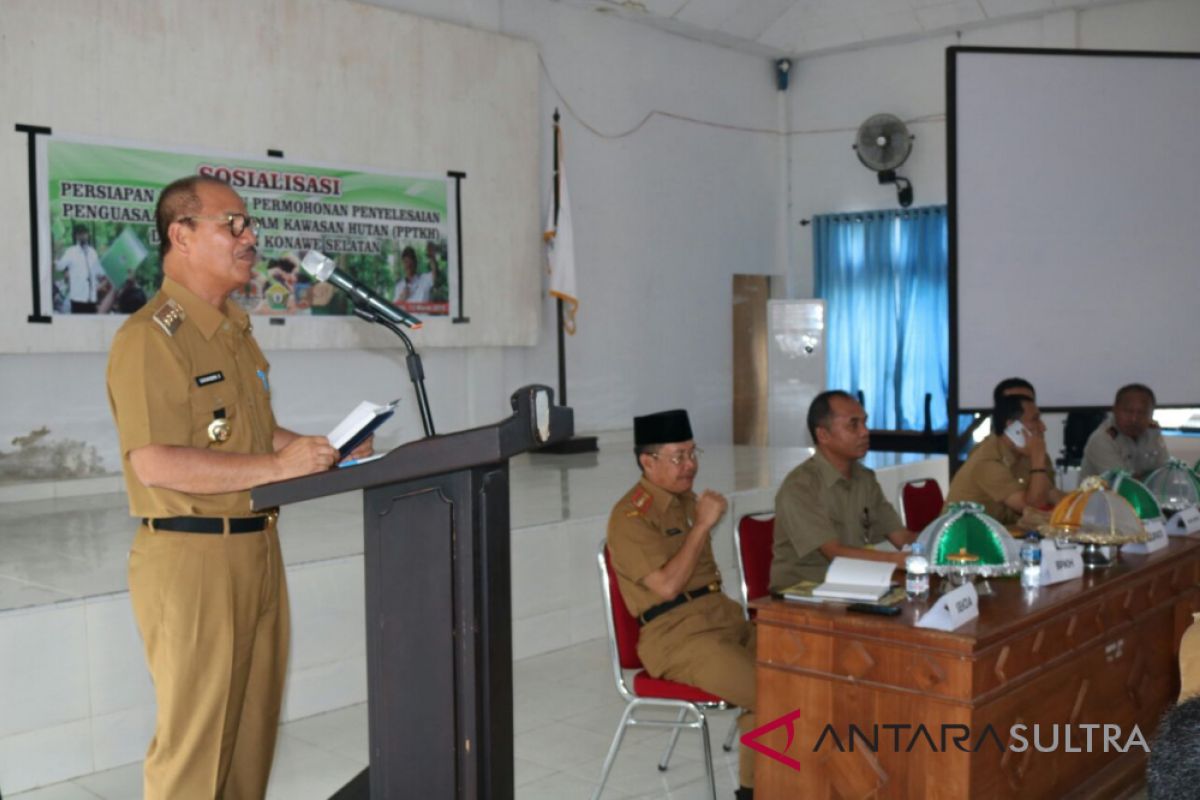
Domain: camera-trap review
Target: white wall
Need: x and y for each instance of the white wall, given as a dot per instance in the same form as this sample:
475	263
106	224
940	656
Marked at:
663	218
835	93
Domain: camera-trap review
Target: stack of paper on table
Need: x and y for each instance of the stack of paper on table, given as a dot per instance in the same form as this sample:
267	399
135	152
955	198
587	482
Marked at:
856	579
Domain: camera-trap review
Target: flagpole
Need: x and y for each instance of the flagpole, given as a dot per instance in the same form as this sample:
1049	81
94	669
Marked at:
575	444
562	342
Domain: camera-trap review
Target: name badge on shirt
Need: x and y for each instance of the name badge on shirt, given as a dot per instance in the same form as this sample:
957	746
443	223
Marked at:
212	377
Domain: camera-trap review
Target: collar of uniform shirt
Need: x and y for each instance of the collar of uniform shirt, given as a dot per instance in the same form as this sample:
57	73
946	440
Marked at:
829	474
205	317
662	498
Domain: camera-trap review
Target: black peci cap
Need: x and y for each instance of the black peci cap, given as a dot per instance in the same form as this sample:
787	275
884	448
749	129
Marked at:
665	427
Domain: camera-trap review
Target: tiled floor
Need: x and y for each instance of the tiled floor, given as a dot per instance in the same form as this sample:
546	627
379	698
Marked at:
64	547
565	712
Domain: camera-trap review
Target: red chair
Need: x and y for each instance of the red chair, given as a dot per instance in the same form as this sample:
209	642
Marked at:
644	691
921	501
753	546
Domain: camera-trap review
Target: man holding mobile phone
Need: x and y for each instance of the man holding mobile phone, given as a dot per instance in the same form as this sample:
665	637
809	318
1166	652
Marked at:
1009	470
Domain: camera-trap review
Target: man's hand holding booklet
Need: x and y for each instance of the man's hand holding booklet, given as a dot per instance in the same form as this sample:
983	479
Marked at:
358	426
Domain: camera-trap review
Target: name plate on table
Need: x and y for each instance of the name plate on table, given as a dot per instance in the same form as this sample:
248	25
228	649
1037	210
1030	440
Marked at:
1060	565
1185	522
952	610
1158	539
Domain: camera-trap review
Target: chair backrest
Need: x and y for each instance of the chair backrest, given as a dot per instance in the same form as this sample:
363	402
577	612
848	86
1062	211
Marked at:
622	625
753	544
921	501
1077	427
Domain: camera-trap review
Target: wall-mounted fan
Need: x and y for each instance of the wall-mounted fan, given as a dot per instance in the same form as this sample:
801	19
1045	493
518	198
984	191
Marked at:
883	143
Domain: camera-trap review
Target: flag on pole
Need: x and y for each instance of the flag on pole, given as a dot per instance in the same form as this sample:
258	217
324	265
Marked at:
560	248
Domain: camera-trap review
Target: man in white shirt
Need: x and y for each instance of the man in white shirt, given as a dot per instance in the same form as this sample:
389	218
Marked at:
413	287
85	276
1129	438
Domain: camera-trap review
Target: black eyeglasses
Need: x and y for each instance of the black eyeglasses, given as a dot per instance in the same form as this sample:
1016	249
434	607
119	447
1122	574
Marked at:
237	222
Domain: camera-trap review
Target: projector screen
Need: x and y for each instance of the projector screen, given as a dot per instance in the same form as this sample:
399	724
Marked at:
1074	208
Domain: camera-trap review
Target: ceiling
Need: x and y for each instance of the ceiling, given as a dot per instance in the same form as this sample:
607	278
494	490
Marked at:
795	28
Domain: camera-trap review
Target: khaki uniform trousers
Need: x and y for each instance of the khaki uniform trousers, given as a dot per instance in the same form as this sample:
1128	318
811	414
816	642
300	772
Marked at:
708	643
213	614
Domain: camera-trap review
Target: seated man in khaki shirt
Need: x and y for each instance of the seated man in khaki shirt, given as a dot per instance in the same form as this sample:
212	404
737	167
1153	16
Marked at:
1005	476
659	541
831	505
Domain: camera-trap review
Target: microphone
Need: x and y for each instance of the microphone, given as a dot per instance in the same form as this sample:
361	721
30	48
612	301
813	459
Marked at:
322	269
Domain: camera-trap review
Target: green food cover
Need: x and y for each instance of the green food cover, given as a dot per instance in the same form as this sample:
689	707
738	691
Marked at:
1134	491
965	526
1175	486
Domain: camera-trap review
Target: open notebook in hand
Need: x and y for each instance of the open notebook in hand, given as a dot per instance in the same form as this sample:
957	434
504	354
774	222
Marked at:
856	579
359	424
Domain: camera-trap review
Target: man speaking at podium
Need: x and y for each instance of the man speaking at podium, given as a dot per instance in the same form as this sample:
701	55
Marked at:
189	393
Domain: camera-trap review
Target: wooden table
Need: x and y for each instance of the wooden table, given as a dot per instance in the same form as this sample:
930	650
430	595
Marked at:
1099	650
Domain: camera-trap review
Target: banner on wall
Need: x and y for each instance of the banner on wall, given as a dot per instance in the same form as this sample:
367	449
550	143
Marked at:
99	248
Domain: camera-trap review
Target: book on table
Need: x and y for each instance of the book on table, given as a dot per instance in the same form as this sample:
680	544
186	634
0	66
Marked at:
856	579
359	424
802	592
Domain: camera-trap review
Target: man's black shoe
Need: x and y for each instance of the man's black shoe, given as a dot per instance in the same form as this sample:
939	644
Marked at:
743	793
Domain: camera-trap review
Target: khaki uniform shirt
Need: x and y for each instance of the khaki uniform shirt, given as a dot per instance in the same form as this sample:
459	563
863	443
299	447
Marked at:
176	365
991	473
648	526
816	504
1107	448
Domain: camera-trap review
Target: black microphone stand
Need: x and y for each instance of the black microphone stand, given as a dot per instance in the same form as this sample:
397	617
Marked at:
415	371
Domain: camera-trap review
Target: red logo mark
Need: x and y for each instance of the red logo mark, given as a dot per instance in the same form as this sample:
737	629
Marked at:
750	739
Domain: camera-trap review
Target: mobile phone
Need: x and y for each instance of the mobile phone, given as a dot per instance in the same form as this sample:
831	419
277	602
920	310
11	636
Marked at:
1016	432
873	608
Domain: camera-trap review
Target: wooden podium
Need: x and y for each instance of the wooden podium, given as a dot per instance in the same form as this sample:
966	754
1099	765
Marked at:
439	627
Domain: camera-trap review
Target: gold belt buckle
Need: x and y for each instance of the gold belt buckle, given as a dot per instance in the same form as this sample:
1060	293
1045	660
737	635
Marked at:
715	586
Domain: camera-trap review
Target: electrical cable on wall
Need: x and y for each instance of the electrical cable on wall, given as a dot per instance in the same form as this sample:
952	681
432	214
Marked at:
707	123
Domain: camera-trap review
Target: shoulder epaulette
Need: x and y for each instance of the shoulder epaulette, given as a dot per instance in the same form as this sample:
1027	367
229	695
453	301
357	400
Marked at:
170	316
641	500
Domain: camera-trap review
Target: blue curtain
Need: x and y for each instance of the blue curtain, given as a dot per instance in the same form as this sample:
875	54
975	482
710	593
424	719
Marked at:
882	275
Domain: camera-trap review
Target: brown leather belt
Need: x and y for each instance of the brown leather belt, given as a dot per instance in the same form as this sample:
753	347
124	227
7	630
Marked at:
678	600
210	524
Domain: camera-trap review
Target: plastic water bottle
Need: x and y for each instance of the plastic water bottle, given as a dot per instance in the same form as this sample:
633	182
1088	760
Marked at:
1031	561
916	569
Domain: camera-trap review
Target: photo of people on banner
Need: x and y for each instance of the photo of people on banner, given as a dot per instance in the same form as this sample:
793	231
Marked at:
390	232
